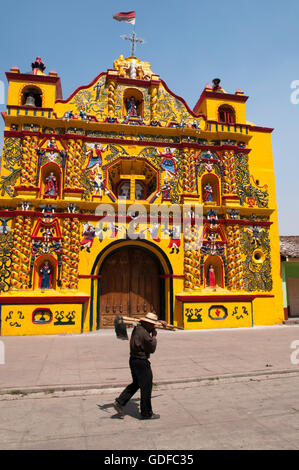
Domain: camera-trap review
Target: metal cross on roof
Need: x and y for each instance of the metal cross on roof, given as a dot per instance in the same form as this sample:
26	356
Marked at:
134	40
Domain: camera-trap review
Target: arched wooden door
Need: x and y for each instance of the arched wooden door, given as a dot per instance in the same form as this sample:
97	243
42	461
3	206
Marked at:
129	285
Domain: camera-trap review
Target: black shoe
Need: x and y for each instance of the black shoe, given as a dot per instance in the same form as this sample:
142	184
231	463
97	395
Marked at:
119	409
152	416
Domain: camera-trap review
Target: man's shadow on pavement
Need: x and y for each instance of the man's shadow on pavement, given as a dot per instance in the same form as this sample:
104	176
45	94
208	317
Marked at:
130	409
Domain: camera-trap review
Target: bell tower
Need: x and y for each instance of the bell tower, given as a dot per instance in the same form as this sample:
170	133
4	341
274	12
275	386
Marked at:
31	94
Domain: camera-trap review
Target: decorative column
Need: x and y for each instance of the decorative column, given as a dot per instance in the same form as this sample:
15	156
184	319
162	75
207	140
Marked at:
111	98
230	192
20	271
234	259
29	161
70	253
191	259
154	102
189	174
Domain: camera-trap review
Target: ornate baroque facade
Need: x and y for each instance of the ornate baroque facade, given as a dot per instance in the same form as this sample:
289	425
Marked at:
80	178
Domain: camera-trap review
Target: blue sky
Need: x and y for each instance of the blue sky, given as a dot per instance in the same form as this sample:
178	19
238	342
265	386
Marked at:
252	45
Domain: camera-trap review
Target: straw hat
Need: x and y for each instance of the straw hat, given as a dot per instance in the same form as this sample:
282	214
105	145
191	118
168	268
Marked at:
150	318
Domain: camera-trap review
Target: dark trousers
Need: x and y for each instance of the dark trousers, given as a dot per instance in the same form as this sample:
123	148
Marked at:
142	378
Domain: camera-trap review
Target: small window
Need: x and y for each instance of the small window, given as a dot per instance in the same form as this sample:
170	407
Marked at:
226	115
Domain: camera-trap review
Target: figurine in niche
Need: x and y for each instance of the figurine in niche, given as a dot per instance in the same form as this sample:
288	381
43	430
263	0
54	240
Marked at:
168	163
95	155
25	206
52	144
166	190
132	107
68	115
48	212
124	190
208	194
51	186
71	208
47	234
212	218
45	278
139	191
233	214
88	234
211	276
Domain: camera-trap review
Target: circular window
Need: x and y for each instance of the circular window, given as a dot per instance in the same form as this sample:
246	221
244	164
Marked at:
258	256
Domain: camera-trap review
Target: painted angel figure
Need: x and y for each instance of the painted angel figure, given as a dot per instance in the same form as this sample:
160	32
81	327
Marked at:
95	155
88	234
168	163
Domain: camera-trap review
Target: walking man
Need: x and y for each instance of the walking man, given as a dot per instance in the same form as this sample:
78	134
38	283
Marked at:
143	342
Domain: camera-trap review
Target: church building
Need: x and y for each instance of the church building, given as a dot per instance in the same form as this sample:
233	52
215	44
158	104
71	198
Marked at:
121	199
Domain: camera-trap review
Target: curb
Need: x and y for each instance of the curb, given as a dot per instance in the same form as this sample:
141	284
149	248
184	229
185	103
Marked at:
192	381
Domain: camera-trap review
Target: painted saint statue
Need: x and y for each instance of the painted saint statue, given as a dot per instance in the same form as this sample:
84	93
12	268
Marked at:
132	107
51	186
211	276
45	276
208	194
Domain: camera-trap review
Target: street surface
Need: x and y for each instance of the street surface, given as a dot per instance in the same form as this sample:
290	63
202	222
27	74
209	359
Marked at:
259	412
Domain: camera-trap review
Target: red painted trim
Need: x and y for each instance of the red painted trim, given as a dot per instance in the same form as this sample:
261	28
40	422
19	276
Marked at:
74	190
26	77
286	311
172	276
193	196
89	276
261	129
42	300
84	138
93	217
82	87
232	196
27	188
223	298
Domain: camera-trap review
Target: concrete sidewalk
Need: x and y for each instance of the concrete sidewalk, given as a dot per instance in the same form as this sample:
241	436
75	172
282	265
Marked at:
99	360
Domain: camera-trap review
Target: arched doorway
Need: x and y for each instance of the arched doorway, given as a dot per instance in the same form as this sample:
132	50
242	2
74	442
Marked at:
130	285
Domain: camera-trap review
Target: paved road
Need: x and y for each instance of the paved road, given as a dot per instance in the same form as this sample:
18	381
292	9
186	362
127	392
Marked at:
231	413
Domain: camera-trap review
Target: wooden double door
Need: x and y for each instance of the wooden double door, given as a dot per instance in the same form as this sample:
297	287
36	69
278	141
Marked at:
129	285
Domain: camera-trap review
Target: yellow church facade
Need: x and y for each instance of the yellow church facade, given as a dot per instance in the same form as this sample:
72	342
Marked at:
121	200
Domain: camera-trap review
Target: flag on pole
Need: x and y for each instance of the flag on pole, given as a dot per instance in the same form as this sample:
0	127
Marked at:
128	17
